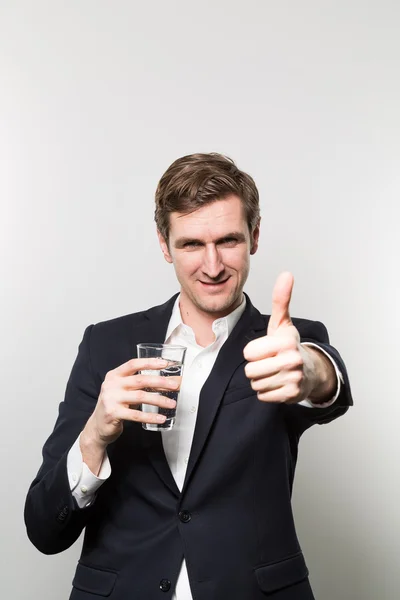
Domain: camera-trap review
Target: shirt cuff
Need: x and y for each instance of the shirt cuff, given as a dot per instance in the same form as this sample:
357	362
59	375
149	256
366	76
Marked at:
82	482
339	378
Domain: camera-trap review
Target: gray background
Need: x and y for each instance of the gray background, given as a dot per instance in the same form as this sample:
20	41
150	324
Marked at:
97	99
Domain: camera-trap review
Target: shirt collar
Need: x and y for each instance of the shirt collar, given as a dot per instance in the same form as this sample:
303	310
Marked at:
229	321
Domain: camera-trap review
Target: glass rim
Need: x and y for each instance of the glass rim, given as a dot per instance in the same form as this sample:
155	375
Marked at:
155	346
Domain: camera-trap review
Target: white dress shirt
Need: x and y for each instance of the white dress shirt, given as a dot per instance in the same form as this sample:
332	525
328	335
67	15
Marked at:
177	442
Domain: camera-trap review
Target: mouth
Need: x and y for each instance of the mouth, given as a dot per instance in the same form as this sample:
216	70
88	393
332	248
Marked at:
214	286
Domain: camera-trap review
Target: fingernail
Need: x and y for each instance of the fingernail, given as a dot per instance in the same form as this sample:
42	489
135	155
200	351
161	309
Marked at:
160	418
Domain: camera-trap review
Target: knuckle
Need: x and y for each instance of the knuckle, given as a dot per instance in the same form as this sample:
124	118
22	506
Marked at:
139	381
110	375
140	395
296	376
109	412
108	384
292	343
295	360
254	384
294	390
105	397
133	364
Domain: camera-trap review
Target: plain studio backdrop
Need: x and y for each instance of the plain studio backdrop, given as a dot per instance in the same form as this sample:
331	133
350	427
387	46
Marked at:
97	99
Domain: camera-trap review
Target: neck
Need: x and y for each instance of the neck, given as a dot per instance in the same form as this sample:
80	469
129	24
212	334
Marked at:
201	321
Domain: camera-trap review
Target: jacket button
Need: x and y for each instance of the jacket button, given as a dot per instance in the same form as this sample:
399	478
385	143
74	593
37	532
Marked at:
185	516
62	514
165	585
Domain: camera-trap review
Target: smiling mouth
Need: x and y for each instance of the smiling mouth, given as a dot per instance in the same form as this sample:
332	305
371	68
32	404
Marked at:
213	283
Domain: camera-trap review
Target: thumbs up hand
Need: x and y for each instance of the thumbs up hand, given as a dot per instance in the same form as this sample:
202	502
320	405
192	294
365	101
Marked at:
279	367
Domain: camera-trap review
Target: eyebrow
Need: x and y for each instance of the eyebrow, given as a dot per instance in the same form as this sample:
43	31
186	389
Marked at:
180	242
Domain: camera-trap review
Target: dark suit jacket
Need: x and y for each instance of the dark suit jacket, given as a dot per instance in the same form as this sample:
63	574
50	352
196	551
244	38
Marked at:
232	521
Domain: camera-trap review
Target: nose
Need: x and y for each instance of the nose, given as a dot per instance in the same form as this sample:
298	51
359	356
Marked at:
212	267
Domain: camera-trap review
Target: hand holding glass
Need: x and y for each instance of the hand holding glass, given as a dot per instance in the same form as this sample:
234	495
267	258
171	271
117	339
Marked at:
175	356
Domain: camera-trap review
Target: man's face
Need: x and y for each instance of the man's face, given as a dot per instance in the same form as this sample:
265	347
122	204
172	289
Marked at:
210	250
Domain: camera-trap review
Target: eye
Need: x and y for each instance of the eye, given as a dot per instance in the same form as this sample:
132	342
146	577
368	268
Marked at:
191	244
229	240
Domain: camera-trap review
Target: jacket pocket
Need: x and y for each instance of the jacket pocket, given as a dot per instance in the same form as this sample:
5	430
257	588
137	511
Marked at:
94	581
275	576
242	393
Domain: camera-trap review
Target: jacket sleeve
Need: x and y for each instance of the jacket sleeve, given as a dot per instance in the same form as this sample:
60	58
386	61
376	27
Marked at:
52	517
301	417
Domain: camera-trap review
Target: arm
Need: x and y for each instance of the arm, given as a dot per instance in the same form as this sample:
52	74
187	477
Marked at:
52	517
328	378
302	417
83	482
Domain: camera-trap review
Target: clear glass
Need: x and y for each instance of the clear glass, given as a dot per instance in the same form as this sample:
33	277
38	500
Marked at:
175	356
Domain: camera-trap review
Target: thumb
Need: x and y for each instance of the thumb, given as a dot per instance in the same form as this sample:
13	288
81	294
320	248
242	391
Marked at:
280	303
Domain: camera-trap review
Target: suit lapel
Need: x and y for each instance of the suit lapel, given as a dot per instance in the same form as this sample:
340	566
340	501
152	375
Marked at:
250	325
153	329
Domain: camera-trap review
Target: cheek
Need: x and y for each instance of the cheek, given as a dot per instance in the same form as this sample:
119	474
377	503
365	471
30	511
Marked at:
236	259
188	264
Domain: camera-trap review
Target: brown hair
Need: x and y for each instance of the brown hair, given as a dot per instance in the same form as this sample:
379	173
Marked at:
195	180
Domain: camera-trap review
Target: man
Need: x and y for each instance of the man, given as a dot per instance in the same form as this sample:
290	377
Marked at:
203	511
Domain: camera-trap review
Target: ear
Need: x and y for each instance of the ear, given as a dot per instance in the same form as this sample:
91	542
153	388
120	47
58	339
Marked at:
254	238
164	247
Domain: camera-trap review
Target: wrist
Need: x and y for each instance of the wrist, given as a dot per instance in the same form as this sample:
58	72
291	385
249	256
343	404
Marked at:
90	437
324	377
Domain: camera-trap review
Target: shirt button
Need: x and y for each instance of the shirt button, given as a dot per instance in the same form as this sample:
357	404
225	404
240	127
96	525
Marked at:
165	585
83	489
185	516
193	409
199	365
74	477
186	461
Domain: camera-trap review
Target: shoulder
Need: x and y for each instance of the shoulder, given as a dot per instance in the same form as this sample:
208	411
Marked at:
111	342
311	330
120	327
119	324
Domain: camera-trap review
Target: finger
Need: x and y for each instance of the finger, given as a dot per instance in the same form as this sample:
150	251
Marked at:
270	366
137	382
263	384
278	396
139	416
281	297
142	397
267	346
138	364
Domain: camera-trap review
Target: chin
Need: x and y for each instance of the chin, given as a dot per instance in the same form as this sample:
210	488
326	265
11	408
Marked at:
215	304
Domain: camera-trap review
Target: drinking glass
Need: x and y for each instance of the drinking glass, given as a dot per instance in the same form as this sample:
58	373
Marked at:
175	356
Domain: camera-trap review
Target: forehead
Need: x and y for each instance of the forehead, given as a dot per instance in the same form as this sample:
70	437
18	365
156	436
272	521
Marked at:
210	221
